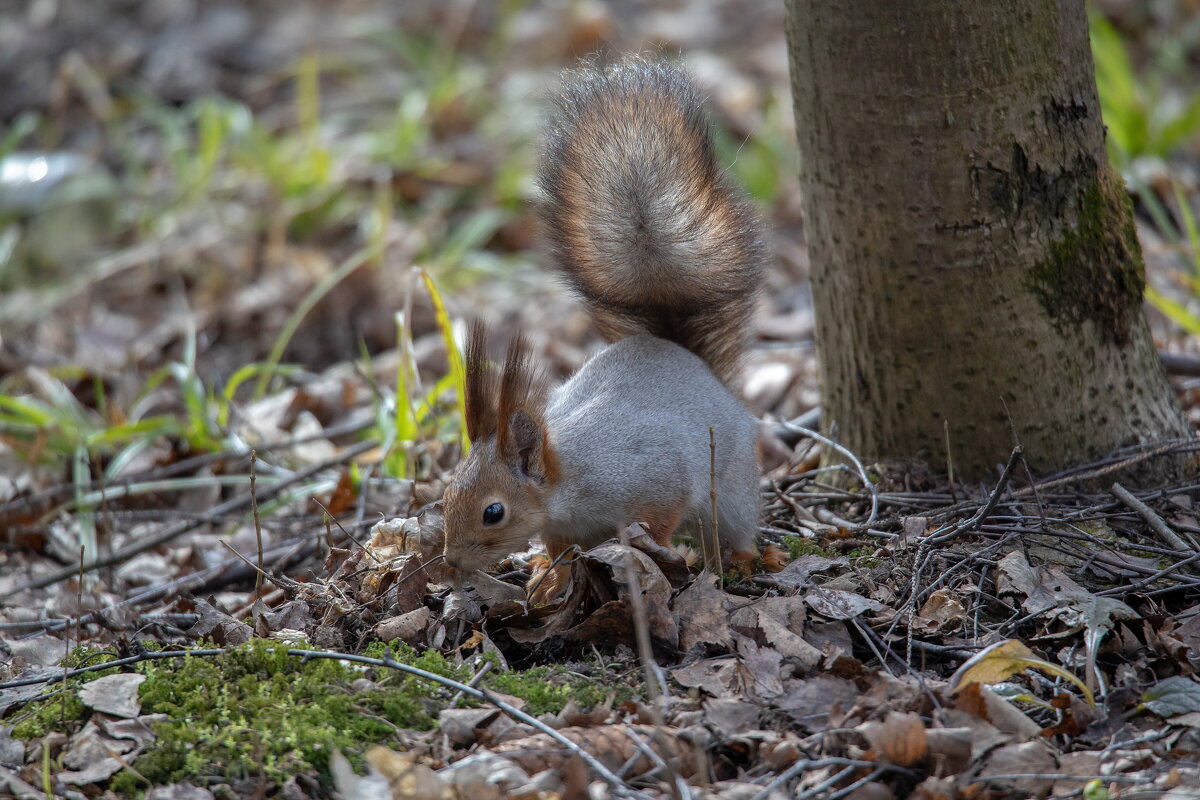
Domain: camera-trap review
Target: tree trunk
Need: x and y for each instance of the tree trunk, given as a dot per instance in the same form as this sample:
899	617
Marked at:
973	254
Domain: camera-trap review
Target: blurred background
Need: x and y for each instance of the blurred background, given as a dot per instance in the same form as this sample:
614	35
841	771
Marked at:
195	194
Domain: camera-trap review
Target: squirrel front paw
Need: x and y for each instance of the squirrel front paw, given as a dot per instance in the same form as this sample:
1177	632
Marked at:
547	581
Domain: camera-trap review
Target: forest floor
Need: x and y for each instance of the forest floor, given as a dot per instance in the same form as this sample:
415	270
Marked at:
225	230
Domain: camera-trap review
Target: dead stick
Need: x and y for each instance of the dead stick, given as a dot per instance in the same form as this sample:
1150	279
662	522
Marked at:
712	559
1156	523
214	516
473	683
78	639
656	683
257	527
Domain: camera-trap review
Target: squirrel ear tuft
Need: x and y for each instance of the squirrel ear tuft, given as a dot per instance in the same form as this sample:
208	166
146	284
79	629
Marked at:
481	386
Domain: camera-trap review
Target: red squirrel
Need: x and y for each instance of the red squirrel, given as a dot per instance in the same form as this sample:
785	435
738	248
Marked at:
668	256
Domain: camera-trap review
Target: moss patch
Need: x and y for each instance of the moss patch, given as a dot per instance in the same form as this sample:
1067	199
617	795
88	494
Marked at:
256	711
1094	271
61	713
798	546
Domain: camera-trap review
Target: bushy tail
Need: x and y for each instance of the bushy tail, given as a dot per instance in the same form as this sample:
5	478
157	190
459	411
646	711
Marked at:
641	218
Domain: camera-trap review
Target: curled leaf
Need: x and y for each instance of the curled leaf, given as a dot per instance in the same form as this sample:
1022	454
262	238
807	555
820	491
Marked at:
1002	660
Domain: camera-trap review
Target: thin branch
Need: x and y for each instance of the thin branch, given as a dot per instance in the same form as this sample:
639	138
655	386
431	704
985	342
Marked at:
1156	523
983	513
862	472
239	503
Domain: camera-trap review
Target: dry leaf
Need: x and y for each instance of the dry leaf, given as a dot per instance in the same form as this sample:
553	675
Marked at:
406	627
778	622
942	612
1025	759
838	604
462	725
798	574
899	739
949	749
812	701
1004	659
703	611
114	694
407	779
979	702
720	677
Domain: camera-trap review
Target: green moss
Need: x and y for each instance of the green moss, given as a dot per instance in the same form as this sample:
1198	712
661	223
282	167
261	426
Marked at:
864	557
256	711
55	713
546	690
52	715
798	546
1094	271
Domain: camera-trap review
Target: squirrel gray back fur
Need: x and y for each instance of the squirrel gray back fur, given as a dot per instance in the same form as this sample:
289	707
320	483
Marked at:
640	217
635	420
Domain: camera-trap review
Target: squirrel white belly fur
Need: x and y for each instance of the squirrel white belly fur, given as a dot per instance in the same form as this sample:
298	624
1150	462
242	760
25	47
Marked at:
668	256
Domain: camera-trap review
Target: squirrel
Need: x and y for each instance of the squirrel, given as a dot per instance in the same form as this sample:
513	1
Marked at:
668	257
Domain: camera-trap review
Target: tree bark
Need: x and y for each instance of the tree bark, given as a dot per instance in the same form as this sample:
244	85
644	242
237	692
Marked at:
974	257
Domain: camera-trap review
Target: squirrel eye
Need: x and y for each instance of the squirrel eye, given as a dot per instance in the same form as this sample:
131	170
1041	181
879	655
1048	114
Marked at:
493	514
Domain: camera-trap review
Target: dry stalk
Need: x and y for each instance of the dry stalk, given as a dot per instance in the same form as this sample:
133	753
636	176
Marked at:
257	526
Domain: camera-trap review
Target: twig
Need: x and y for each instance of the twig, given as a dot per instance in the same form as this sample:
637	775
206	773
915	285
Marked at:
475	679
1142	583
1058	776
845	772
238	503
1184	364
834	761
985	512
257	527
194	581
253	566
1090	472
78	638
949	460
860	782
641	628
862	472
645	749
789	432
712	558
330	517
927	543
1156	523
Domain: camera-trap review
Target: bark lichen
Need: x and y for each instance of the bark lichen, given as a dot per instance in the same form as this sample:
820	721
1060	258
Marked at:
1093	271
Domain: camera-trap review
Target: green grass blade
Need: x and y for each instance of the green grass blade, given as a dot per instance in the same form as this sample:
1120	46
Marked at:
244	374
1189	226
1176	312
314	296
404	422
458	369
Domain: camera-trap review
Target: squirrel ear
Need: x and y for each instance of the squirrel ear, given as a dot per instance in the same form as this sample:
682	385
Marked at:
526	445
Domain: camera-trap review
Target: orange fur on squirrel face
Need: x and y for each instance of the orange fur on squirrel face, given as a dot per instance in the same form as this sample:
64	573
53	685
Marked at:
482	480
495	502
